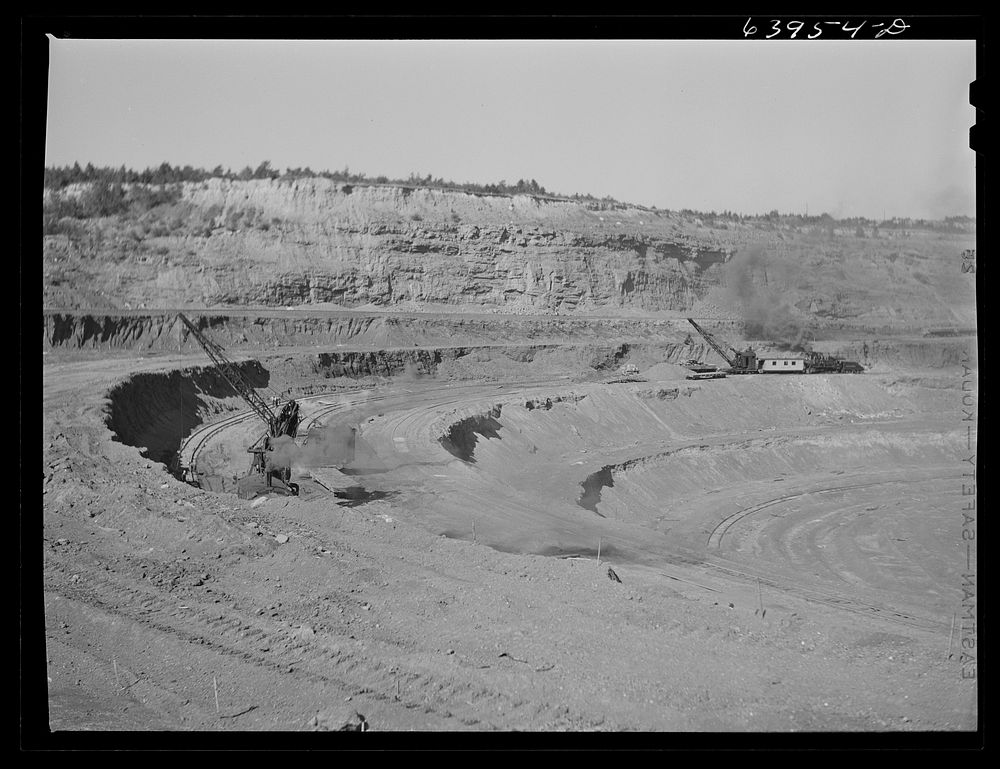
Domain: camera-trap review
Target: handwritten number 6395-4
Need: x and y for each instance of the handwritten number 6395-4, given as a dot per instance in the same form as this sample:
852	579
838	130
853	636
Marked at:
795	27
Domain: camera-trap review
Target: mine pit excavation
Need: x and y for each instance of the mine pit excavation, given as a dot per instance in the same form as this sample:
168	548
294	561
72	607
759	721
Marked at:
663	476
499	468
270	468
326	454
820	497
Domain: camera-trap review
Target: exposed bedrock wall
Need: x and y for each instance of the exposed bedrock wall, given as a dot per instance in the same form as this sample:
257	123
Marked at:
164	332
246	330
312	240
306	242
156	411
458	362
947	353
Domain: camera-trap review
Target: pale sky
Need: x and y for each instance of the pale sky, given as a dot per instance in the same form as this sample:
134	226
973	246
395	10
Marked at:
854	128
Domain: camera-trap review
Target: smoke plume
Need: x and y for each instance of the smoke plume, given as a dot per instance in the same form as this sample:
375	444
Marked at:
761	300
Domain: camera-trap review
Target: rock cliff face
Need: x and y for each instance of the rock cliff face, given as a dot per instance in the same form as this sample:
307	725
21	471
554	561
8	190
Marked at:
269	243
317	243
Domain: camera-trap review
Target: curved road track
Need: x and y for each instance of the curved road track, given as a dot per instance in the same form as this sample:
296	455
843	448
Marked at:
443	491
430	395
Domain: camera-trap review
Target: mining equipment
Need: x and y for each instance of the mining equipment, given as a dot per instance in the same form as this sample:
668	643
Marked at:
809	363
698	367
626	374
740	362
701	370
818	363
747	362
697	375
263	469
782	364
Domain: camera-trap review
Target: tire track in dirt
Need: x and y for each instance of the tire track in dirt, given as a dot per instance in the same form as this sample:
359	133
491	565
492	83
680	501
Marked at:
230	629
419	407
732	568
797	542
723	527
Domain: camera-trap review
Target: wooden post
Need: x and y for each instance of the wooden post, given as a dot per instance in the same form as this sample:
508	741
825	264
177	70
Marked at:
598	552
473	530
215	686
118	683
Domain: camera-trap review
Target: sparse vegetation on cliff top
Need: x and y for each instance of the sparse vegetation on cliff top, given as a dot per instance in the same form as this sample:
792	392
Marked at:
114	191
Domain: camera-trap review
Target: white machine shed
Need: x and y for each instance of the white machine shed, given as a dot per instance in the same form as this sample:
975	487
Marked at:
783	365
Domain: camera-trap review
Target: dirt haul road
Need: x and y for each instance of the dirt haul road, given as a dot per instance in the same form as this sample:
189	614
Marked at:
782	567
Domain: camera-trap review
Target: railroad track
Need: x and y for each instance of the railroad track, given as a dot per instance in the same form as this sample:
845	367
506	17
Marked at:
198	440
421	396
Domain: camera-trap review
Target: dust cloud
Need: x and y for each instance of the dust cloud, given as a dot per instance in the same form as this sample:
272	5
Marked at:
333	445
412	372
766	312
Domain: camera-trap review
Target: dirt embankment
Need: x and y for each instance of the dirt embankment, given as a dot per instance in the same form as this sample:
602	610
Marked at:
156	411
314	242
581	419
650	340
259	331
292	608
944	354
632	463
647	488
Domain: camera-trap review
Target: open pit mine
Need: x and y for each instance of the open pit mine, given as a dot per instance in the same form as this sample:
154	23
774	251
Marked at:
321	456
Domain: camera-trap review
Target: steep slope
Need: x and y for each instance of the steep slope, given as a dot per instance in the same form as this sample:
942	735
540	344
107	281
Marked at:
314	242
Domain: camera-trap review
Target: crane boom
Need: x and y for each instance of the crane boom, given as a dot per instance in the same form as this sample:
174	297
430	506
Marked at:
712	341
285	425
232	375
